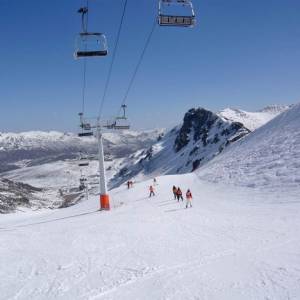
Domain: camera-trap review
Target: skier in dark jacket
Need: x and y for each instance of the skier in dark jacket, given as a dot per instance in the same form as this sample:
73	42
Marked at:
179	194
175	192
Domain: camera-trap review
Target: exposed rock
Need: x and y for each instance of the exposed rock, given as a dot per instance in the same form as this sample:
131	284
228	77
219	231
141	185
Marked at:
16	194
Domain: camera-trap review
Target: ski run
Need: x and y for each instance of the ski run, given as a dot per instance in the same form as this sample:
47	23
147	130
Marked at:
231	245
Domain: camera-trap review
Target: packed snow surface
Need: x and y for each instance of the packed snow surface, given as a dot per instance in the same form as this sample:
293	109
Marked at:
230	245
268	158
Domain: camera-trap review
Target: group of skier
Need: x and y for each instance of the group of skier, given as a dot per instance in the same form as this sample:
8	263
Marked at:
177	192
178	196
129	184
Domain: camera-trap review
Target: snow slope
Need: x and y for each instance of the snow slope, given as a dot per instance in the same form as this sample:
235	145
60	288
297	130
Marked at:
268	158
230	245
253	120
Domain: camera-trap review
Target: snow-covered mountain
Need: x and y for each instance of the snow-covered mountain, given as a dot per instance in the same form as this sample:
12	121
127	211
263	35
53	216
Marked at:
201	137
35	148
253	120
268	158
50	162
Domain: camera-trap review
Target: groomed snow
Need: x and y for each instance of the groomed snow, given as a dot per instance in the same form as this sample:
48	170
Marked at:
230	245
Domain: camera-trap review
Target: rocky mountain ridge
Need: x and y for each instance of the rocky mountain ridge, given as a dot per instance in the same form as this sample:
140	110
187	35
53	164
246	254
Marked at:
202	136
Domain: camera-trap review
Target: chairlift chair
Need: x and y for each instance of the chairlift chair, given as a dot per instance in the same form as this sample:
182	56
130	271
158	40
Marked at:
86	127
121	122
83	164
90	44
178	13
108	158
82	183
83	161
85	134
118	123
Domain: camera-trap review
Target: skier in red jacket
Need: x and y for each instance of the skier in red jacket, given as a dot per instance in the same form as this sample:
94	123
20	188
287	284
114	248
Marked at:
179	194
151	189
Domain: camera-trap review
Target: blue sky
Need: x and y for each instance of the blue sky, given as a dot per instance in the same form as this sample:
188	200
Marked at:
243	54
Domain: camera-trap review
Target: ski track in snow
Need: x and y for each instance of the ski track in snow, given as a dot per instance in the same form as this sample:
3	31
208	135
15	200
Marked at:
230	245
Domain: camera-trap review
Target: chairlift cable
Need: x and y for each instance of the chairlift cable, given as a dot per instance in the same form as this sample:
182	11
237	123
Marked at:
112	61
137	67
84	85
85	23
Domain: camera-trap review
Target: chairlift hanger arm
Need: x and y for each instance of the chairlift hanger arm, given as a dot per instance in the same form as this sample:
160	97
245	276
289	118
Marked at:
84	17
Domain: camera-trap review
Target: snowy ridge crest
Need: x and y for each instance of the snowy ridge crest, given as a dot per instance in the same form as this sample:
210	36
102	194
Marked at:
253	120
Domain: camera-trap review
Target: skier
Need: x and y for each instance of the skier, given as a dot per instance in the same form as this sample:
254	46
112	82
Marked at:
151	189
179	194
154	181
189	197
175	192
128	184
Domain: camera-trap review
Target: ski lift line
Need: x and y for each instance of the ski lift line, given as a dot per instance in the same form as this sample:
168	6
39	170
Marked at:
85	29
112	60
170	18
84	85
84	11
137	66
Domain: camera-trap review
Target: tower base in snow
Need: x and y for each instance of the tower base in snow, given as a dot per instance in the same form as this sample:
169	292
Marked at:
104	202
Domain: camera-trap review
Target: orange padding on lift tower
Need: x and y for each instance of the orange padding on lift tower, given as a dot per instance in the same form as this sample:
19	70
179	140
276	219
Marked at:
104	202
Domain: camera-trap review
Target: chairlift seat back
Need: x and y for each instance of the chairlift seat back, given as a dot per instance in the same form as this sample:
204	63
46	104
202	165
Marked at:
86	126
85	134
176	21
83	164
176	13
90	45
122	127
81	54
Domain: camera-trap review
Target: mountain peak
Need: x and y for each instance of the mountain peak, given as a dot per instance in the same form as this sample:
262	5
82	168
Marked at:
198	120
275	108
